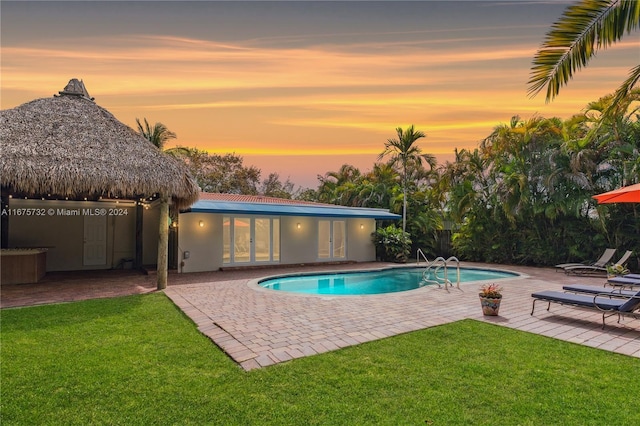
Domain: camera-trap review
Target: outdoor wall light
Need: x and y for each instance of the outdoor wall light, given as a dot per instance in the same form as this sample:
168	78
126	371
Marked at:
361	226
201	224
298	226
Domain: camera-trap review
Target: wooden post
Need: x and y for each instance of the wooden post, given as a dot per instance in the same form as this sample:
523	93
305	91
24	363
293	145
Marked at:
163	242
4	221
137	260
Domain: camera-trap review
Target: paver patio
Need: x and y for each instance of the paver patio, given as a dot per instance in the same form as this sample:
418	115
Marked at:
258	327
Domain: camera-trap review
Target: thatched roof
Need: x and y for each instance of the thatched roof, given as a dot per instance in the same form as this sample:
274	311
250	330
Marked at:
69	146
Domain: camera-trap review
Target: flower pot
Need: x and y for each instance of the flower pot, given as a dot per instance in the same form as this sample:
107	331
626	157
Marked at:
490	305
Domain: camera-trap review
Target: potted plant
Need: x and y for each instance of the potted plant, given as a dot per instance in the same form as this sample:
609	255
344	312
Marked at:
616	270
490	298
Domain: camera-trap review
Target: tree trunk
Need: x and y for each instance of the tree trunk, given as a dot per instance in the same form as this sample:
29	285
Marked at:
163	243
404	197
404	209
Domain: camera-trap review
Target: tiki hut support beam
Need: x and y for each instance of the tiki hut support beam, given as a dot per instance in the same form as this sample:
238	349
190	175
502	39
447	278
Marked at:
4	221
137	260
163	242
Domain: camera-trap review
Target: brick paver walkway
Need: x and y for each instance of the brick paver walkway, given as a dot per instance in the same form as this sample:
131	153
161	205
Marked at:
258	327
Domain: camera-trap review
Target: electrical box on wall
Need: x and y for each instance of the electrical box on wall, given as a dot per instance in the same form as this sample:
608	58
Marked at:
186	255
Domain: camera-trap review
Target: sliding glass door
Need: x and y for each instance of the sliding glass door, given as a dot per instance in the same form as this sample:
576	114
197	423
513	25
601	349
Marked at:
251	240
332	239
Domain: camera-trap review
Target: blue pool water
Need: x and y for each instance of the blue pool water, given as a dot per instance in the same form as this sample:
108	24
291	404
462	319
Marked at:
373	282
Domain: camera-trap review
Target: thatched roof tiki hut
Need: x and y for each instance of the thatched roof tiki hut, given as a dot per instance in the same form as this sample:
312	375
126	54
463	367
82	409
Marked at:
66	147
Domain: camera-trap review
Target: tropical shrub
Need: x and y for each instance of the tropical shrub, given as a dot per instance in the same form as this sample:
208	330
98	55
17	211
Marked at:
525	195
392	244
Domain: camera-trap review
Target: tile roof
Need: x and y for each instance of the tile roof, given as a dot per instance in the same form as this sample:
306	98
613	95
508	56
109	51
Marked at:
240	198
256	204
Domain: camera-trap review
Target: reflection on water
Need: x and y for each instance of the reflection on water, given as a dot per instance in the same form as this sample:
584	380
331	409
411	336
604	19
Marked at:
374	282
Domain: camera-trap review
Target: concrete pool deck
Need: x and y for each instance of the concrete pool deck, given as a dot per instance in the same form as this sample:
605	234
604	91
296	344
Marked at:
258	327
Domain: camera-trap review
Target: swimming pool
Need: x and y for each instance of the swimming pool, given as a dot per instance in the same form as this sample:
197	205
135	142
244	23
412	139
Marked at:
373	282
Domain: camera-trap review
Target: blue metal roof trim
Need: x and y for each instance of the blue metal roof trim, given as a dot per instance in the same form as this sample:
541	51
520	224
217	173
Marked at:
210	206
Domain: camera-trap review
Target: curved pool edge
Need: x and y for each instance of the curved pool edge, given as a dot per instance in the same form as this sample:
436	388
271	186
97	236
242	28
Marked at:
254	283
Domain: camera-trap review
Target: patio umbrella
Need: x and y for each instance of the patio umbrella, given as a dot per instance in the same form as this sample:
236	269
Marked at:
626	194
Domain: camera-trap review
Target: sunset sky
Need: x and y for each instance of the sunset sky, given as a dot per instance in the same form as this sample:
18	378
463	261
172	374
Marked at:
300	88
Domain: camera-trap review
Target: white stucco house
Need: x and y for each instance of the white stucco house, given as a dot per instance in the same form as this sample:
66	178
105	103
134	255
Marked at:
226	230
216	232
80	190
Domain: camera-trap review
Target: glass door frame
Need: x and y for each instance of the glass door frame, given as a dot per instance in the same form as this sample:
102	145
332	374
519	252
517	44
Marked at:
330	246
230	241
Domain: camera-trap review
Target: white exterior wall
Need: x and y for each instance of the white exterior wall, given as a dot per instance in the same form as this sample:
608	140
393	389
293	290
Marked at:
63	235
360	247
204	244
298	245
150	234
301	245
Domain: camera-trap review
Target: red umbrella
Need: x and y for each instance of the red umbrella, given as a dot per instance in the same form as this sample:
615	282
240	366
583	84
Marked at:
626	194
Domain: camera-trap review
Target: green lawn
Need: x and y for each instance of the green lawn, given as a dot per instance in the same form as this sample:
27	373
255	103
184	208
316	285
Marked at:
139	360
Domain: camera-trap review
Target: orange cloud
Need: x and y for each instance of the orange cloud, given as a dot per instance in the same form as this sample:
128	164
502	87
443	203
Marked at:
251	99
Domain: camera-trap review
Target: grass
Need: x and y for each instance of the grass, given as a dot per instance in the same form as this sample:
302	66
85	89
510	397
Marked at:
139	360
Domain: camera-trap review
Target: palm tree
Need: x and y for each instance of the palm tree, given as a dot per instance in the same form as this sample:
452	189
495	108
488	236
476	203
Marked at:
404	152
158	135
466	182
377	187
518	164
574	39
338	187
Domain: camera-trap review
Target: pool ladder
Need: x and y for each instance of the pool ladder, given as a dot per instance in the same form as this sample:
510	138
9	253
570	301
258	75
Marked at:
436	266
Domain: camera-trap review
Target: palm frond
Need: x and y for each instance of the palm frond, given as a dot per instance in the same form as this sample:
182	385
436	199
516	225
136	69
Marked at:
573	40
624	90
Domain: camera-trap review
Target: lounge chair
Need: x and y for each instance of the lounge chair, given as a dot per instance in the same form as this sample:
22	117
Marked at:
586	269
633	276
623	282
609	306
604	259
594	289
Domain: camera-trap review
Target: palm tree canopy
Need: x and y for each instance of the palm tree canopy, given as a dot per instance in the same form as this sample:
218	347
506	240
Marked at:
158	135
403	149
583	29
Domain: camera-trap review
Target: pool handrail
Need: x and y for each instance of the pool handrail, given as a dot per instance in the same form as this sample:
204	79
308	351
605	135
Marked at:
424	256
435	279
453	258
442	264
